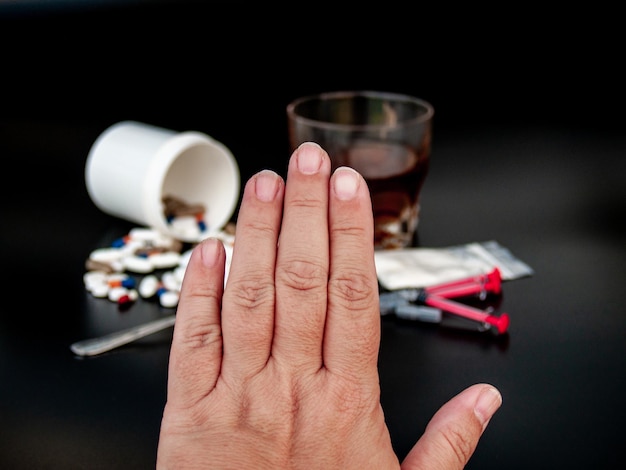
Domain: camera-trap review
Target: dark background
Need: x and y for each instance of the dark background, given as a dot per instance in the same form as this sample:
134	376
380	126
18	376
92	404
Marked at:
528	150
229	69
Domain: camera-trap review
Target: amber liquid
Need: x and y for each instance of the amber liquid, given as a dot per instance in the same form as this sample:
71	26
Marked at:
395	175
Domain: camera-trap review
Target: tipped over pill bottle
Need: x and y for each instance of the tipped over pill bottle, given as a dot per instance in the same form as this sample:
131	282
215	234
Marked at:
183	184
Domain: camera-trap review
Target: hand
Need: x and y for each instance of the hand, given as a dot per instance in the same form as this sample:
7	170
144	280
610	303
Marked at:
279	368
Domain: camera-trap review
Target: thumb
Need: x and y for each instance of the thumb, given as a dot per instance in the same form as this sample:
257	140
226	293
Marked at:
453	432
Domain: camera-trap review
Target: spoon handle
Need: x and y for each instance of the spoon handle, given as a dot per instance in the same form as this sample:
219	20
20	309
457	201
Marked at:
93	346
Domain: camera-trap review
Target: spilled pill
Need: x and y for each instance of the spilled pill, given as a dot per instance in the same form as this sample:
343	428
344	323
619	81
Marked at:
164	260
138	264
145	264
106	255
100	291
170	282
116	292
169	299
148	286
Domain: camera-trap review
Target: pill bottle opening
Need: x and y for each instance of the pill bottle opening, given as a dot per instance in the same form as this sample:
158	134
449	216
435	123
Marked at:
133	166
195	187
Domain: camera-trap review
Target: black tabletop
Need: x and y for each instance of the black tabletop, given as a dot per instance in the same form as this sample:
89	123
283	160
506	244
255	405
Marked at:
513	161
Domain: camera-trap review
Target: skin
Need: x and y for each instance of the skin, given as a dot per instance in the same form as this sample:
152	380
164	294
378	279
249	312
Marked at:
278	369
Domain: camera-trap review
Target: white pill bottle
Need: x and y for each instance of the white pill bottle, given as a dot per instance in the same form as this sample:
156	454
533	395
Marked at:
132	166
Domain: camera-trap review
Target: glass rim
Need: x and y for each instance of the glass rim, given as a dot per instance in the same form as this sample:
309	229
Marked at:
383	95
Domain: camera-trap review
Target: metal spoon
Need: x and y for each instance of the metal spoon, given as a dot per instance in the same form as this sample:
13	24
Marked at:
94	346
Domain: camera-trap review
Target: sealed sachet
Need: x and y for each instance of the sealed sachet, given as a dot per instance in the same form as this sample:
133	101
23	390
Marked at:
422	266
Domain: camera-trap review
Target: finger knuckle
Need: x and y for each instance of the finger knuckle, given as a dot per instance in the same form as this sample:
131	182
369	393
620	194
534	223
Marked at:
251	293
353	290
261	226
302	275
205	335
347	229
307	200
459	442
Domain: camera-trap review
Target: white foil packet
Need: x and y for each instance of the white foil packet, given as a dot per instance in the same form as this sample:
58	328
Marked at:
422	267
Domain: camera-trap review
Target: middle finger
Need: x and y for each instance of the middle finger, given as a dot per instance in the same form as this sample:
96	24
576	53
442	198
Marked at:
302	263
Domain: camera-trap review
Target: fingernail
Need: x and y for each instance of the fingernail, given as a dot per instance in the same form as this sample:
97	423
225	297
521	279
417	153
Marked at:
266	185
487	404
309	158
210	252
346	181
